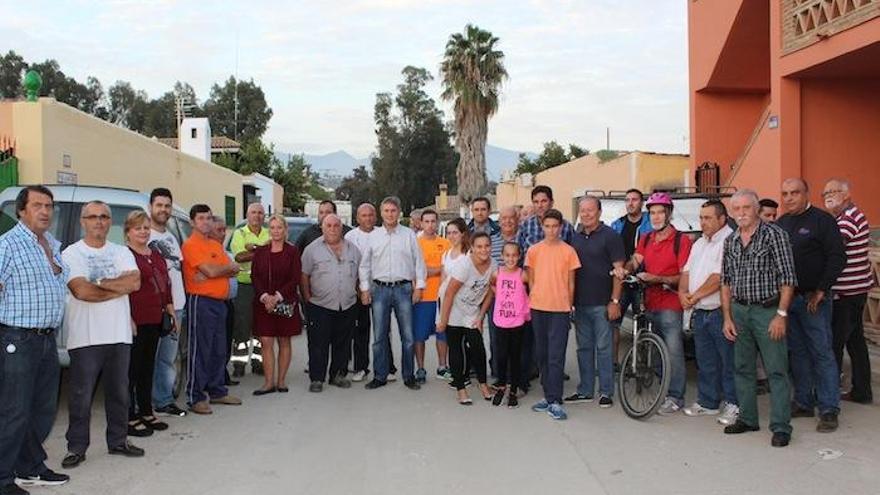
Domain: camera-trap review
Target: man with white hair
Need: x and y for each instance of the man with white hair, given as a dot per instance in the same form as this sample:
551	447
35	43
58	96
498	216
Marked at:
245	241
851	289
757	287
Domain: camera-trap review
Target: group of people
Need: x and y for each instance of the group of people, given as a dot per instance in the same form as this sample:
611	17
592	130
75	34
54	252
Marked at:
783	294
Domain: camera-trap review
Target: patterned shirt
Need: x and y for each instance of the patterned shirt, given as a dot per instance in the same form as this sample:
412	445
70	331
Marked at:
755	272
531	232
498	242
31	294
856	277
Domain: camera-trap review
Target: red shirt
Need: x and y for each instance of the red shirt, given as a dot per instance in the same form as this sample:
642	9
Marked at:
660	260
148	302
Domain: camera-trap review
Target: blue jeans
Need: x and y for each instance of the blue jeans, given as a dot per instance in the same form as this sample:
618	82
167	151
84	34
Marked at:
29	374
816	380
593	332
165	372
551	340
715	377
668	324
385	299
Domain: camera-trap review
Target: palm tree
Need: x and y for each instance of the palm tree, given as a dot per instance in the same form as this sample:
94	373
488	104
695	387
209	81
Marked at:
472	72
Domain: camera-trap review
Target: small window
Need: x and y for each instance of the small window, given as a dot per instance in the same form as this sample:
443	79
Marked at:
194	132
230	210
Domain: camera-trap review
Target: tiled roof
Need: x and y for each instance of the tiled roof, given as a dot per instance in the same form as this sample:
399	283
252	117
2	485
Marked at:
217	143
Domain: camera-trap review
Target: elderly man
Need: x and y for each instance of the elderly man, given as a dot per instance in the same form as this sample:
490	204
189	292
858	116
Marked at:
313	232
415	221
819	258
597	295
98	326
329	287
392	277
366	221
163	241
757	285
851	289
206	273
243	243
218	233
480	221
32	293
699	289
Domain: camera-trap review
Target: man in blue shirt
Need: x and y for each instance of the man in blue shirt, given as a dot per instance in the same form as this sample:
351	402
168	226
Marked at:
33	288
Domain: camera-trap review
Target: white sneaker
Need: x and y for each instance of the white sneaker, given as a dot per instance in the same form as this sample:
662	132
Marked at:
359	376
729	414
392	377
669	407
696	409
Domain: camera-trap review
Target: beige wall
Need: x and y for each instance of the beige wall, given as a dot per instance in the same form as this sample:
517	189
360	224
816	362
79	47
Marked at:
105	154
644	171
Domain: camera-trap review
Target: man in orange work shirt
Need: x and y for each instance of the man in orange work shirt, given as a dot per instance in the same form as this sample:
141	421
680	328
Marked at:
206	273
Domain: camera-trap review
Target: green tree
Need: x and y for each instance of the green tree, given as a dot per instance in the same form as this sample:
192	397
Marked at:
253	111
127	106
414	154
551	156
299	183
472	72
606	155
12	69
358	187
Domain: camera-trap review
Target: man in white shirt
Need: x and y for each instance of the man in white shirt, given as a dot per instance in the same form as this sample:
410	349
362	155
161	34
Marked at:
167	245
99	328
392	276
699	289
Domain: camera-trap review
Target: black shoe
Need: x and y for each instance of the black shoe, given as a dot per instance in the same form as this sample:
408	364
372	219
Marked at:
283	390
374	384
827	423
780	439
47	478
512	402
498	398
739	427
169	410
801	412
316	387
136	428
127	449
263	391
13	489
576	398
341	381
412	384
605	401
153	423
72	460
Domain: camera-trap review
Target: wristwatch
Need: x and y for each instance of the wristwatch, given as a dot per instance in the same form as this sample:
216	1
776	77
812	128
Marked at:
616	301
781	312
98	282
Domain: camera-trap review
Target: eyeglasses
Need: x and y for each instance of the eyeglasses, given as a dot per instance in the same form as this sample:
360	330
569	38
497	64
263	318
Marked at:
830	192
103	218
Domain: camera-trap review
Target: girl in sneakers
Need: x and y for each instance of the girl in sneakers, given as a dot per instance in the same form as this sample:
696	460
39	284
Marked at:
510	315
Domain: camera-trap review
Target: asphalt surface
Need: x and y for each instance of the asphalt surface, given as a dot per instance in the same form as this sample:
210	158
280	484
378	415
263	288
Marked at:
394	440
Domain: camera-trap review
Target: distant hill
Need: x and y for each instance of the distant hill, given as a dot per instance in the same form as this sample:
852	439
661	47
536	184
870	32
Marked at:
341	163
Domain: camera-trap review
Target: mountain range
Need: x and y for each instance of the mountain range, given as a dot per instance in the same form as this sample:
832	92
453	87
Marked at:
341	163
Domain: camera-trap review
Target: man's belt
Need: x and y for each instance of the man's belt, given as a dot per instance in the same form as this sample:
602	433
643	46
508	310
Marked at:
770	302
38	331
391	284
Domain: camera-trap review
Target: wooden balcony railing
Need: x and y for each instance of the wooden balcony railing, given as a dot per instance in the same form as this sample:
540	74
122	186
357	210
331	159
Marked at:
805	22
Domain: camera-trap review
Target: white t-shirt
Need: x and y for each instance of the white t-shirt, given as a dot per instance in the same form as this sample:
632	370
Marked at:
166	244
704	261
474	285
97	323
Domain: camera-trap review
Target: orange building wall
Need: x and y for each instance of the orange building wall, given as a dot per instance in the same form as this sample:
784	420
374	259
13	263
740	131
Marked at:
722	125
840	122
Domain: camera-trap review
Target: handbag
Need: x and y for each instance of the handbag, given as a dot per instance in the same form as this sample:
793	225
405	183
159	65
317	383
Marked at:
167	325
284	309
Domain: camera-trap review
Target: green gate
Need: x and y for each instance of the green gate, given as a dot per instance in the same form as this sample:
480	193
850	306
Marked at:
8	172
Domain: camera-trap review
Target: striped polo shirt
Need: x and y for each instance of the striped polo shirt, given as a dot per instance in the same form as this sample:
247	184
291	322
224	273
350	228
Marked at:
856	277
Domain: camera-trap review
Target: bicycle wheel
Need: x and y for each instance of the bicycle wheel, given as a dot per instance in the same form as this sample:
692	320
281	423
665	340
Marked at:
644	377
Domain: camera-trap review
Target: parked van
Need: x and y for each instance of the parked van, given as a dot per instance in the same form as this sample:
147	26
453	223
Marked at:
65	226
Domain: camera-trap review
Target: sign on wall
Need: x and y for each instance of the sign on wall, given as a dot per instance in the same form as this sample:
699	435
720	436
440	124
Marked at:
66	178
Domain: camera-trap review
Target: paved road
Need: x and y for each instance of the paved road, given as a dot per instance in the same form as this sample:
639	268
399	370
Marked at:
394	440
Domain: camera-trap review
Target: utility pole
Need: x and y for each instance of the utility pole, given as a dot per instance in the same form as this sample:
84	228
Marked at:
235	104
607	138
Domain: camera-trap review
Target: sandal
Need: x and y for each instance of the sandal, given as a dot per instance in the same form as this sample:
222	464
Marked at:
153	423
136	428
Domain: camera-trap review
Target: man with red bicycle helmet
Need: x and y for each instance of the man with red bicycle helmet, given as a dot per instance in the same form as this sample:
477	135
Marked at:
663	253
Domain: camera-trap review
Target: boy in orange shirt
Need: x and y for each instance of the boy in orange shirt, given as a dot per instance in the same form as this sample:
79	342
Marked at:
551	264
425	311
206	273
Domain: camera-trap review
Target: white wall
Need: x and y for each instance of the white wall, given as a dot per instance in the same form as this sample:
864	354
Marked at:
265	190
200	145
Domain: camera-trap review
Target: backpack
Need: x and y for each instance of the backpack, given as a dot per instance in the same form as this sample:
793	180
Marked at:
676	246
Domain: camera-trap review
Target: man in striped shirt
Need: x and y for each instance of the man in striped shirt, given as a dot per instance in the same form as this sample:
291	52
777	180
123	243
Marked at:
851	289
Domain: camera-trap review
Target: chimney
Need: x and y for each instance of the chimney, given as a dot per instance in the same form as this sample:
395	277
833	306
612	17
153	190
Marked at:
443	202
194	137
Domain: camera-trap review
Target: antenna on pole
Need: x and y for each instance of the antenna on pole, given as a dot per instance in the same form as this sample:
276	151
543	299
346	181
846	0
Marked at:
182	108
235	104
607	138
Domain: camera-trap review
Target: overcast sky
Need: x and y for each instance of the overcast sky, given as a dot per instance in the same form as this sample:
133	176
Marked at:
575	66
